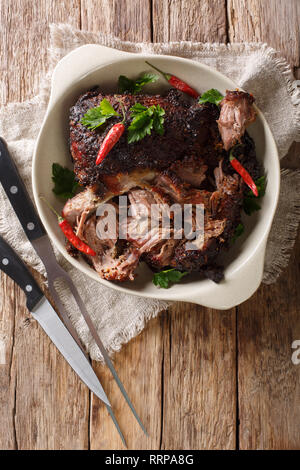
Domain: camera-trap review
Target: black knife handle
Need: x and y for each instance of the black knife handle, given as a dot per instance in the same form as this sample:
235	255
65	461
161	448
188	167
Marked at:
13	266
17	194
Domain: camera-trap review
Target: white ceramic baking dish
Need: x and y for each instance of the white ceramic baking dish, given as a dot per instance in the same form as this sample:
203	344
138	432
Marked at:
92	65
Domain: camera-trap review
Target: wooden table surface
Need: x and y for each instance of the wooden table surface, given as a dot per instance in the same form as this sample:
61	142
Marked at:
200	378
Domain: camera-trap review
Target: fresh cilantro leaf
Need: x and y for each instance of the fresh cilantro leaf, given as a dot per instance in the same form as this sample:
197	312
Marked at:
106	108
65	185
250	205
163	278
250	200
95	117
145	78
144	120
238	232
211	96
158	120
135	86
125	84
137	108
141	126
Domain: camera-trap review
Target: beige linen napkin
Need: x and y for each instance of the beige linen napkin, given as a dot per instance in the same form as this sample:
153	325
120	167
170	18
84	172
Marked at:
256	68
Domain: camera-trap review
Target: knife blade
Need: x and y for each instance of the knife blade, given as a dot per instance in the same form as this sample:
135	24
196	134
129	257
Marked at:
43	312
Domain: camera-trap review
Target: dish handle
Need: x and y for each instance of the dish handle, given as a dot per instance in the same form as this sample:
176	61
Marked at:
89	57
237	287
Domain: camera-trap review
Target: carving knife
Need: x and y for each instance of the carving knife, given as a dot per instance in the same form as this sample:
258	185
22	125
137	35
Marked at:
18	196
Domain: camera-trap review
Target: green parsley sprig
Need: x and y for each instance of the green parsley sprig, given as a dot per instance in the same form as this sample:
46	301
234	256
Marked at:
250	200
163	278
135	86
144	120
211	96
65	185
95	117
239	230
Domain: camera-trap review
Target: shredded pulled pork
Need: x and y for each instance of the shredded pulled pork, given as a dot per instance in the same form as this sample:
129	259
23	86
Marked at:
236	114
158	244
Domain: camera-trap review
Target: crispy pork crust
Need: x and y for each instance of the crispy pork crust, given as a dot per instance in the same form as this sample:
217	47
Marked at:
189	130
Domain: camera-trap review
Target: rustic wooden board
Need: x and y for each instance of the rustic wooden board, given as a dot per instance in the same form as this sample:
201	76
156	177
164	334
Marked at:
269	383
7	376
273	21
130	21
24	42
185	20
199	399
182	371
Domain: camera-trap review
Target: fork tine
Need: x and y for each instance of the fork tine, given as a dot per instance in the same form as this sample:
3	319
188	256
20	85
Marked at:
112	415
103	351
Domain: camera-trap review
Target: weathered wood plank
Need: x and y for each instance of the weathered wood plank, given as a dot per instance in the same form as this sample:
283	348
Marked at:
7	375
129	20
25	40
199	378
273	21
43	403
268	382
185	20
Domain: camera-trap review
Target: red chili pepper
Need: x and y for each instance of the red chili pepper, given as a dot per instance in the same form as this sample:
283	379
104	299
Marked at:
111	138
72	237
67	229
110	141
244	173
176	82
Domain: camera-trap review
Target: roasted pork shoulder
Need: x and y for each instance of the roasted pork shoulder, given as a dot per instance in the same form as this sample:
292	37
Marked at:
190	129
188	164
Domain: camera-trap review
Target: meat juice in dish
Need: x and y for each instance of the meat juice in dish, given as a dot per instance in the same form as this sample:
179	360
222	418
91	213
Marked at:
185	162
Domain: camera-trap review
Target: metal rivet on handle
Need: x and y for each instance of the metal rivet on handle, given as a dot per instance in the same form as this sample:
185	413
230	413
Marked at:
28	288
14	190
30	226
5	261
